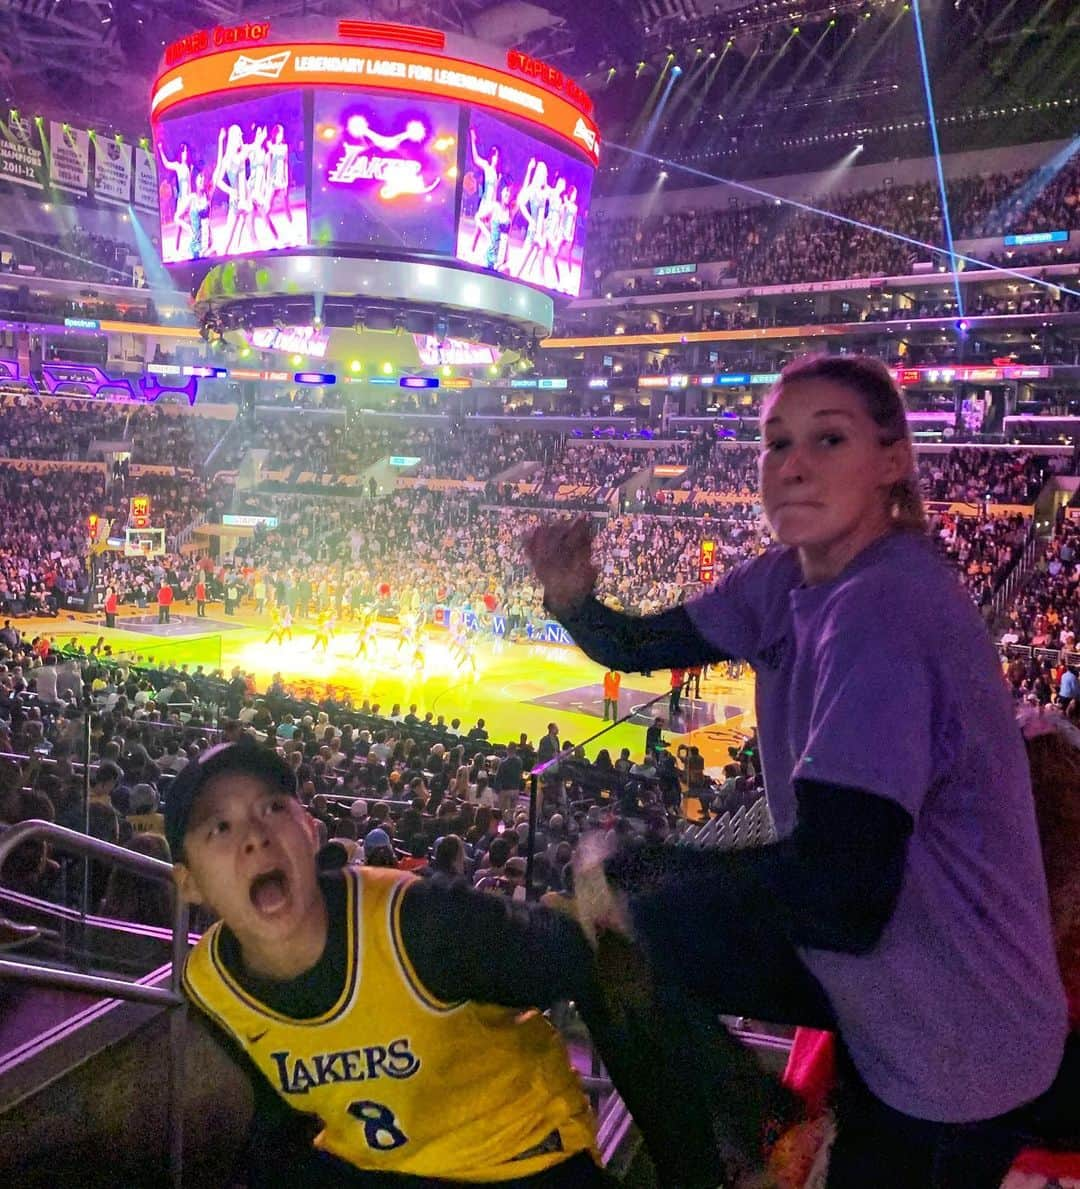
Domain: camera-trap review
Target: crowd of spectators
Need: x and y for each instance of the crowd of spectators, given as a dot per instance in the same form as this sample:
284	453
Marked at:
777	243
638	320
385	788
984	549
63	429
43	547
1046	614
75	254
984	476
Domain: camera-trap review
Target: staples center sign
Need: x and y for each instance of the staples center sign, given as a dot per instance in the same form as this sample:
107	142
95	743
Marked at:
328	64
201	41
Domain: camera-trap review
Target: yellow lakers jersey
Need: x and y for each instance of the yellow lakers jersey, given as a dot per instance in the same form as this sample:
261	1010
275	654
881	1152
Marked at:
401	1081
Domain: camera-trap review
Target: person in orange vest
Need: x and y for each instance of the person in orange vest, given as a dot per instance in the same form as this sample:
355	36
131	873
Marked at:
200	597
164	601
112	602
678	679
612	681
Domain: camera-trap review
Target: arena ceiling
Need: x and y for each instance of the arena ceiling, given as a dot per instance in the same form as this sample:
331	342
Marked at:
95	58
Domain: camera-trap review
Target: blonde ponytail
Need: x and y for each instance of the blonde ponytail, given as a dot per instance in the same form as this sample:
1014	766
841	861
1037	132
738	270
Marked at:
906	506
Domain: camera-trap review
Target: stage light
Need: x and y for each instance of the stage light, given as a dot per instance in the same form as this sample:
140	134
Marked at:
963	326
676	71
245	352
493	369
297	360
446	370
795	30
387	368
355	365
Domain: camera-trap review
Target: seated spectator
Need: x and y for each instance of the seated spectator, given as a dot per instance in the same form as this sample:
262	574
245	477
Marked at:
130	897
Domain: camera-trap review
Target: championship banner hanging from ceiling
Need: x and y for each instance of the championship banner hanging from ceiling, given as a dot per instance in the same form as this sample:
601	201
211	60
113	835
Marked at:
69	158
146	179
22	151
112	170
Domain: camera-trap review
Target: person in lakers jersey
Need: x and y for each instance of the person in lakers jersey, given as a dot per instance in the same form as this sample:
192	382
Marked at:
398	1014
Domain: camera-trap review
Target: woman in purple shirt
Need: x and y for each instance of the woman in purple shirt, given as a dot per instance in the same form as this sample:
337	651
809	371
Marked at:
905	902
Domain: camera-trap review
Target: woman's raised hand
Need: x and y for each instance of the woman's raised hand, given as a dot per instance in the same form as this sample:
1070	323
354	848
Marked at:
561	556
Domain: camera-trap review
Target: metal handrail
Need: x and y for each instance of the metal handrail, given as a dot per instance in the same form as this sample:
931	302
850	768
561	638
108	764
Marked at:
75	980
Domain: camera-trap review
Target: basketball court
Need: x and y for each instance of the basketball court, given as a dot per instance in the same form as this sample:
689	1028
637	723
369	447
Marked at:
516	687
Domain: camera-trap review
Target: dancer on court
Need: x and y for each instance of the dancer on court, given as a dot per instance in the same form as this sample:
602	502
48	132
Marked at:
231	178
904	905
553	232
325	624
567	232
281	625
488	168
365	641
278	180
408	624
532	205
181	171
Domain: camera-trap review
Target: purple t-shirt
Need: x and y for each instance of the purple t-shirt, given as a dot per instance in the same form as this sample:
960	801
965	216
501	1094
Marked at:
885	680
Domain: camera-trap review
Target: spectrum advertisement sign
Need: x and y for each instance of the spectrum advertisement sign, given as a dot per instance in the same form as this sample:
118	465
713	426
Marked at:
384	172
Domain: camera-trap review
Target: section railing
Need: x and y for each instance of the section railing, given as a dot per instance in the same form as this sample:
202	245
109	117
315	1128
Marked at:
114	988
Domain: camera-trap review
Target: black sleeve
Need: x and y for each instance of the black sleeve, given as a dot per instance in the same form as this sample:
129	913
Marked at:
638	644
277	1136
475	945
466	944
832	884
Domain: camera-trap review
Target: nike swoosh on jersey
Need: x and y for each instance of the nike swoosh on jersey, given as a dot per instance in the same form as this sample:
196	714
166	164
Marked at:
257	1037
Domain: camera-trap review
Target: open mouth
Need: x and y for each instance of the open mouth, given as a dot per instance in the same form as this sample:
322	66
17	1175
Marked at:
269	891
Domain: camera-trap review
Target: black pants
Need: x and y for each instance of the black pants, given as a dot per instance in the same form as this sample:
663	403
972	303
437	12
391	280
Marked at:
318	1170
110	619
162	614
880	1146
731	960
200	610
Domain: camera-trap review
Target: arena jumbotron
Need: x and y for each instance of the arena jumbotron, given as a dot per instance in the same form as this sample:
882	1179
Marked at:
539	594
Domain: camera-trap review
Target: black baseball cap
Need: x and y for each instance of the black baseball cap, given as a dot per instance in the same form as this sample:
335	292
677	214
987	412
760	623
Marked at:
244	756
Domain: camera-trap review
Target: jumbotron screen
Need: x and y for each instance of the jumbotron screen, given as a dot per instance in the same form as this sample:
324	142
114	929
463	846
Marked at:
524	207
234	180
271	144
